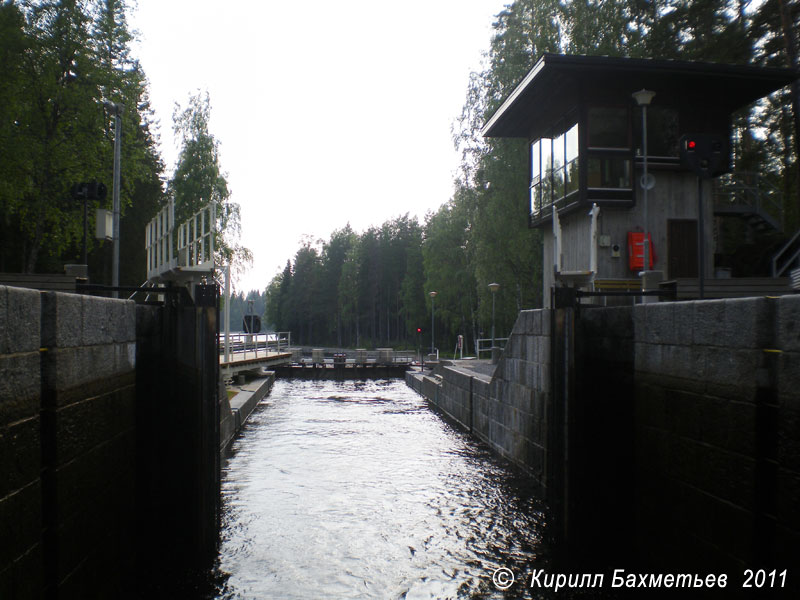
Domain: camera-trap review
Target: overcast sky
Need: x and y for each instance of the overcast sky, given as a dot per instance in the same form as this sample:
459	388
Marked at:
326	112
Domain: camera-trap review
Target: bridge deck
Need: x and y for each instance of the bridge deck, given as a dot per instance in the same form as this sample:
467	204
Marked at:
251	360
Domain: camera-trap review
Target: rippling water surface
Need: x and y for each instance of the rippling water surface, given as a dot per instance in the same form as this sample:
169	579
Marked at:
356	489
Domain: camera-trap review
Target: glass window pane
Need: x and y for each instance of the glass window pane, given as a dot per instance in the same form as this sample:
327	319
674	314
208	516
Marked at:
547	156
536	197
572	143
662	131
558	184
572	176
609	172
535	161
608	127
547	171
558	151
546	185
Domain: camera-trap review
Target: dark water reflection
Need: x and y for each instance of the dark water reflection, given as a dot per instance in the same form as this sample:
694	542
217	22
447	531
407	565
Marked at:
357	490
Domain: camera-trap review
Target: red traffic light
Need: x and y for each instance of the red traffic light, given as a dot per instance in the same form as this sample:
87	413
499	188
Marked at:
419	330
691	144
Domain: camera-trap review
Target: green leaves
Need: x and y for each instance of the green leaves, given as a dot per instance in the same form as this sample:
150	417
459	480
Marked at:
198	180
58	63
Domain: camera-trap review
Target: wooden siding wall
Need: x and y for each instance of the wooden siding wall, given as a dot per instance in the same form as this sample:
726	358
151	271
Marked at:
674	197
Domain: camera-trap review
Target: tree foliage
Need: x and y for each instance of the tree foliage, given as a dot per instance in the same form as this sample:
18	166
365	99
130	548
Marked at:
354	289
480	235
59	62
198	180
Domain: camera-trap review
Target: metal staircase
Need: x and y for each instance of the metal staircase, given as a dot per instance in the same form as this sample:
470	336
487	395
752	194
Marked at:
750	196
788	257
760	203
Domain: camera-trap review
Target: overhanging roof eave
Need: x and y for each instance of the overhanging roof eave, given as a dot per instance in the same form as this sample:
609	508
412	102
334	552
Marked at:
506	120
512	98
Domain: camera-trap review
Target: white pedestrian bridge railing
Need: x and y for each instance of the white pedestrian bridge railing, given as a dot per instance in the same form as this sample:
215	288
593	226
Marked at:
190	249
255	343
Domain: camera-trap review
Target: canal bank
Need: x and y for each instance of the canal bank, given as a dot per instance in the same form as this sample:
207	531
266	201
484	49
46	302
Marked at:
235	411
671	426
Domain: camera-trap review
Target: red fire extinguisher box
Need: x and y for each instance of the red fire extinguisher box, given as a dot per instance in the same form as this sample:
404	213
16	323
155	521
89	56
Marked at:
636	251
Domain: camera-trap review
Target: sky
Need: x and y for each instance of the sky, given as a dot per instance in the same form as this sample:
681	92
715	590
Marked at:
327	113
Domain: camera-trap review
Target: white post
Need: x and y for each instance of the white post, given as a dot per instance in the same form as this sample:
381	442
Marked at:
593	248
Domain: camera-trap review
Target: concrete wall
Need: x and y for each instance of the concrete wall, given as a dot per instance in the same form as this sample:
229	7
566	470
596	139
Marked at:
673	428
235	412
508	411
67	441
513	417
717	424
21	551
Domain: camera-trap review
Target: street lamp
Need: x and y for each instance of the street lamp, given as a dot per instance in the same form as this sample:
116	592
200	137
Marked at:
433	296
643	98
493	287
116	110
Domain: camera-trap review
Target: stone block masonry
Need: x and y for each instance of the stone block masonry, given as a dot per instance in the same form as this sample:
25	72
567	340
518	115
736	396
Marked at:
717	430
517	405
672	427
21	550
509	410
67	443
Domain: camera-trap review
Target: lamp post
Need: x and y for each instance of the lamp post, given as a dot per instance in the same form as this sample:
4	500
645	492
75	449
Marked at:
433	297
116	110
493	287
643	98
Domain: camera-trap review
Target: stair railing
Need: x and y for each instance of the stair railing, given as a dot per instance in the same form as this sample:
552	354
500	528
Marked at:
748	188
786	256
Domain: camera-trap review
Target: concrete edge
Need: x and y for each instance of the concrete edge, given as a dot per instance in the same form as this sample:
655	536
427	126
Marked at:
244	403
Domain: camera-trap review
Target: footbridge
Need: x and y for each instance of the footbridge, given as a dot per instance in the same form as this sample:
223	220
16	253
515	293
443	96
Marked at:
273	351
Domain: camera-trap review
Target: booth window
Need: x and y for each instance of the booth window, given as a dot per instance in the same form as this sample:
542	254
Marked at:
609	172
609	164
571	158
608	127
554	167
663	132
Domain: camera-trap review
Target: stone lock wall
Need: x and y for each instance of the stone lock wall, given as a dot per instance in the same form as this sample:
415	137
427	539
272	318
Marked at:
717	424
21	552
509	410
513	415
672	428
67	443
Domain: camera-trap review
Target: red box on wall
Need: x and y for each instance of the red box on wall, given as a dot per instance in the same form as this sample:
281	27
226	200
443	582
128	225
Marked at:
636	251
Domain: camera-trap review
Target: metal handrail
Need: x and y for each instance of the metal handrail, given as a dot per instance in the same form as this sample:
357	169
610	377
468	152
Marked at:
748	188
249	342
196	238
158	241
795	241
367	356
489	348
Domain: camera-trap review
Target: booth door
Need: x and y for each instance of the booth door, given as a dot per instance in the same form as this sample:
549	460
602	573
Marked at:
682	248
